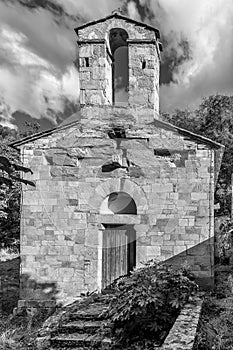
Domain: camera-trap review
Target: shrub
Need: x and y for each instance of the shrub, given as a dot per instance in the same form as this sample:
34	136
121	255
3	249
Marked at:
145	304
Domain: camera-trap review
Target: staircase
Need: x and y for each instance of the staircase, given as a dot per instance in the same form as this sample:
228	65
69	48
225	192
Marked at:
84	328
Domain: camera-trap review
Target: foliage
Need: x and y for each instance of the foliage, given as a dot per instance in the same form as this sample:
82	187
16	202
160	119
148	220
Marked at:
224	239
10	188
31	128
213	119
8	253
215	329
146	303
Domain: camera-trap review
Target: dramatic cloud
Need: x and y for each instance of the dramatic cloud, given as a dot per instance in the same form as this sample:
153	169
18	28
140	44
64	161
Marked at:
37	50
198	45
90	9
36	55
6	118
38	47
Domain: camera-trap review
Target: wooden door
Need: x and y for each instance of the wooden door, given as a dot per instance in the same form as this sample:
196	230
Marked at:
118	253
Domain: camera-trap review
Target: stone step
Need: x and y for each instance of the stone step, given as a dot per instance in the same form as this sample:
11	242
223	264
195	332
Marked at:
77	340
91	313
81	326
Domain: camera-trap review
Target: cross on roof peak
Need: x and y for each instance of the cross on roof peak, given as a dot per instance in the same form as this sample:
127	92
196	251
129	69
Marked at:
118	11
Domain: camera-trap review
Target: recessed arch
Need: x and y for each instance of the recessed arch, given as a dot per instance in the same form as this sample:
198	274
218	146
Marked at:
117	38
119	185
118	203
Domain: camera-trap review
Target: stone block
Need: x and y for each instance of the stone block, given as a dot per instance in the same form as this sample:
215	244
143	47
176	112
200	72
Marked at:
179	243
144	240
193	230
183	222
166	237
91	238
85	51
155	239
98	73
203	211
198	195
140	228
153	251
162	187
167	250
191	221
141	255
185	196
29	250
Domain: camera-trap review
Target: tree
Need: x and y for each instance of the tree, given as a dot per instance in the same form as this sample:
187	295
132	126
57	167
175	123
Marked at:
10	188
213	119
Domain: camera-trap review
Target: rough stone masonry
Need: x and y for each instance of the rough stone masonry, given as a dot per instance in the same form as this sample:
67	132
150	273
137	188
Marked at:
77	231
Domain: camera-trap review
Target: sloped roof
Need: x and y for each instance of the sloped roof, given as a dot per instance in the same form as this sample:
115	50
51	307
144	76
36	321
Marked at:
157	123
120	16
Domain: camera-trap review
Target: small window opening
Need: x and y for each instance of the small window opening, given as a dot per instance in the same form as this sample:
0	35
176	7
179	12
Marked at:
87	63
107	168
144	64
117	133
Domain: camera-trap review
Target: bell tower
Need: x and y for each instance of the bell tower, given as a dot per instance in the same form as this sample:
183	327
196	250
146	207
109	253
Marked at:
118	63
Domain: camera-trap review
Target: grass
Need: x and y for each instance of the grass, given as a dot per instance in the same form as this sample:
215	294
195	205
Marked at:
215	329
19	332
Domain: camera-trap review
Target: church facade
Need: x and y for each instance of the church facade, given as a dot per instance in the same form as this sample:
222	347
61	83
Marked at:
116	186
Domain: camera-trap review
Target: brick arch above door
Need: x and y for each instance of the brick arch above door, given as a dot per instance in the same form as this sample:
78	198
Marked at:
119	185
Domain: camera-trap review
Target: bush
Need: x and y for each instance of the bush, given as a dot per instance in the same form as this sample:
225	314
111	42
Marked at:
146	304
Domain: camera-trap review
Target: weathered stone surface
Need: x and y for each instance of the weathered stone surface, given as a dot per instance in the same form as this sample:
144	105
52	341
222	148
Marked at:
182	335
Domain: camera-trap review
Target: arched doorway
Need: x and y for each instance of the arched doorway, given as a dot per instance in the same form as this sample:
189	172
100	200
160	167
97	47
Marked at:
119	240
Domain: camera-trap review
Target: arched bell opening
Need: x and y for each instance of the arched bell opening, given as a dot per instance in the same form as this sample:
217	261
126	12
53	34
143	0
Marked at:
120	65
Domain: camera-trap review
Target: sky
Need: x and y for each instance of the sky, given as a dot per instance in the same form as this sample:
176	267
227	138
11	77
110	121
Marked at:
38	78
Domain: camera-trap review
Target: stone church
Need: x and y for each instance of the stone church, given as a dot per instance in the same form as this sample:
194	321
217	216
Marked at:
116	186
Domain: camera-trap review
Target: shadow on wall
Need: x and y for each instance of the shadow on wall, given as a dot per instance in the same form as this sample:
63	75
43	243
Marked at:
9	285
43	293
200	259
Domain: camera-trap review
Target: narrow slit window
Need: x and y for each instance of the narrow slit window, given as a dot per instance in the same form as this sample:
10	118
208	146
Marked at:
144	64
87	63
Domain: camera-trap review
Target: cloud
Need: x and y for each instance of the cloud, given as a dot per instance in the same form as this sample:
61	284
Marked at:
90	9
204	69
38	47
6	118
37	50
36	55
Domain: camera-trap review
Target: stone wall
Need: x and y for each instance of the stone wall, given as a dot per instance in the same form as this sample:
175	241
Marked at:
61	225
182	335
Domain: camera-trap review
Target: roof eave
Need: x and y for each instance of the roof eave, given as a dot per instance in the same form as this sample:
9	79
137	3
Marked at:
190	134
117	15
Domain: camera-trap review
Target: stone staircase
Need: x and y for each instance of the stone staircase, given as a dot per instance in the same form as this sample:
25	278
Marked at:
84	328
